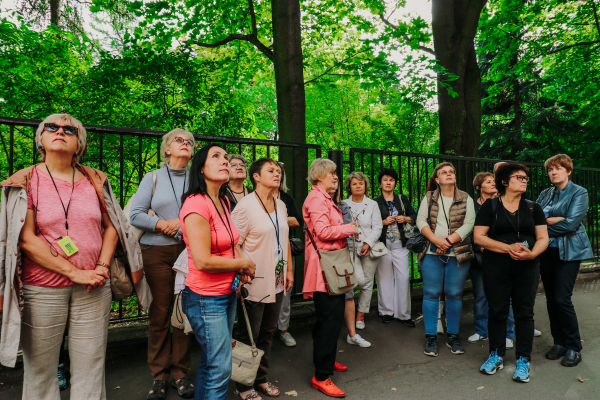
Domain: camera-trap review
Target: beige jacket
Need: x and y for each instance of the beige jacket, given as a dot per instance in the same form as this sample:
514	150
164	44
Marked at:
12	219
257	241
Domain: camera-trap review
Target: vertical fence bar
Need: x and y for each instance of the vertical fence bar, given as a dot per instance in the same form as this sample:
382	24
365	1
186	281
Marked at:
34	148
101	150
140	162
121	170
158	140
11	151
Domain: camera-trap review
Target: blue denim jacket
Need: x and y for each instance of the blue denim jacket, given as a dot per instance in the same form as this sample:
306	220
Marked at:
572	203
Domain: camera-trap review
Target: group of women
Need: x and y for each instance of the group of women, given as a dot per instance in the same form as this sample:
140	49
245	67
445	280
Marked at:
63	226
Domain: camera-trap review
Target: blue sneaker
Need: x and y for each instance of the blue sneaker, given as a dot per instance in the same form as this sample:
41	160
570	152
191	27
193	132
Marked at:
493	364
62	379
522	372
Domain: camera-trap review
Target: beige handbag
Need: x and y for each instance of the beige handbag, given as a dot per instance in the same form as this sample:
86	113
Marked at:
337	268
127	211
120	283
378	250
178	317
245	359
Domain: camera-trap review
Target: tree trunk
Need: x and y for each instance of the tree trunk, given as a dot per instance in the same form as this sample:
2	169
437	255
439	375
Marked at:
54	11
454	25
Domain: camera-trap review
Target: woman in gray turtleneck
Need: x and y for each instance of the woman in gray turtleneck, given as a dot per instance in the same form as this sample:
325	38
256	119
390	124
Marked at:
167	354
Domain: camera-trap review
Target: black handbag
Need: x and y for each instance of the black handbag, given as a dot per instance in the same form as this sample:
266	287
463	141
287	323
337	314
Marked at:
297	246
417	243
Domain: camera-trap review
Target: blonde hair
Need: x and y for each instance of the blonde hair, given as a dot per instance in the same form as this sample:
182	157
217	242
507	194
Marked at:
283	183
319	168
357	175
167	139
81	135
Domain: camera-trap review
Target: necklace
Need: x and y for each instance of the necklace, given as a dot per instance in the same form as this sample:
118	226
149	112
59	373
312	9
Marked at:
233	191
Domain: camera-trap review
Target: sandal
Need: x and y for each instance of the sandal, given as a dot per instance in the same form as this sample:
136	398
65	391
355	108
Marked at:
249	396
271	390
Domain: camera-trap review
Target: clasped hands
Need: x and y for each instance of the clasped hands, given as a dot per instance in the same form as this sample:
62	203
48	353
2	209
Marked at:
520	252
399	219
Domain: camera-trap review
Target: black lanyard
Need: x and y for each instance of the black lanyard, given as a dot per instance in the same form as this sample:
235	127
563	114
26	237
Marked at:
518	215
270	219
66	210
182	191
447	218
229	230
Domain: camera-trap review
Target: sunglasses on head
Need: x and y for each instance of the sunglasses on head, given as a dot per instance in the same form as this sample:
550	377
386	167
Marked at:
68	129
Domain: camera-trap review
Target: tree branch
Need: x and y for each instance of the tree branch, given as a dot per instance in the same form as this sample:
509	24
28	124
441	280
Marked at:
332	67
406	38
596	16
573	45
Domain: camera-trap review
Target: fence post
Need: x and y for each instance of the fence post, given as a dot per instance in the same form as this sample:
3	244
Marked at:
337	156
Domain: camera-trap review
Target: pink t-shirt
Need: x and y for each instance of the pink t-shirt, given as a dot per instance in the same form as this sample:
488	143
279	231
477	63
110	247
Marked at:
85	226
202	282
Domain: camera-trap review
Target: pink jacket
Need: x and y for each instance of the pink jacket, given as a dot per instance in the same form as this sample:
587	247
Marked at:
324	220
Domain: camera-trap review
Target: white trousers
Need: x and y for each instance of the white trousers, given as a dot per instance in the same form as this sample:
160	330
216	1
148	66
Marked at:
364	268
393	282
47	310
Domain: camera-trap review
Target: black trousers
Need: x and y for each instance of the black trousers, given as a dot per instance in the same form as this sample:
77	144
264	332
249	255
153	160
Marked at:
330	318
559	279
505	279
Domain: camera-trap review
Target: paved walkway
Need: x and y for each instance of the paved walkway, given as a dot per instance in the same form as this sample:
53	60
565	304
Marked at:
396	368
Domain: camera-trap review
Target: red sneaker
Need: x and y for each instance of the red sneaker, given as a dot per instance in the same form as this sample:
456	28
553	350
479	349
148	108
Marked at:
327	387
339	367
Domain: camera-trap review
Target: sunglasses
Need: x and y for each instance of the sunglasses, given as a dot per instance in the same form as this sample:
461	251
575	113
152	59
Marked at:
183	141
68	129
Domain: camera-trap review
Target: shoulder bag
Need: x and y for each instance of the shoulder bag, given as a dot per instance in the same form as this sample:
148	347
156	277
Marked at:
245	359
337	269
297	246
120	281
127	211
417	243
410	230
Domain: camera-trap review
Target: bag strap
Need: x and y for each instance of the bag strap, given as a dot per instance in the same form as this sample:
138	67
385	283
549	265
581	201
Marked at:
429	211
313	241
254	351
153	183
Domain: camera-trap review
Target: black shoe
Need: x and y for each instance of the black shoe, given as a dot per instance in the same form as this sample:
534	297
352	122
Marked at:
408	322
431	345
556	352
386	319
571	359
184	387
454	344
158	391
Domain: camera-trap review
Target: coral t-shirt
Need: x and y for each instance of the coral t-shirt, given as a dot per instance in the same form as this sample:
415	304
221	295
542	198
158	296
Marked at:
202	282
85	225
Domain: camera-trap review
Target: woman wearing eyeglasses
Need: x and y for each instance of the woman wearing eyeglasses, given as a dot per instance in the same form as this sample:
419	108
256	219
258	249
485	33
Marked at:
60	224
161	191
445	218
513	233
261	220
235	190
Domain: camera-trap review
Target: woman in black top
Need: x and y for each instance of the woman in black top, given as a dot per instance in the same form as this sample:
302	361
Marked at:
513	233
235	190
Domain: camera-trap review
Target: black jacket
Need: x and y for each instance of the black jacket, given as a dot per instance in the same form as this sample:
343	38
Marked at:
385	212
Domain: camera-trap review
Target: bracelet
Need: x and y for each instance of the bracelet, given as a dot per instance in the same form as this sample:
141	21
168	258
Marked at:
448	240
102	264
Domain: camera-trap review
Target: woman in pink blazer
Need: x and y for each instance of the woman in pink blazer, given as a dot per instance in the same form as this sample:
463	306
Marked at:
324	221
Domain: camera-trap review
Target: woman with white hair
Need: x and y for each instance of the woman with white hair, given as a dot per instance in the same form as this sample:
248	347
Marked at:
161	191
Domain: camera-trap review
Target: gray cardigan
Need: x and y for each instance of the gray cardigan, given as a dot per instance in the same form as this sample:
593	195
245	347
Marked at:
165	203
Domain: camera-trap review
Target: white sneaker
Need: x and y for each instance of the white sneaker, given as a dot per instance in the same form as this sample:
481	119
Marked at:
476	338
442	307
536	333
440	327
360	324
509	344
288	339
358	341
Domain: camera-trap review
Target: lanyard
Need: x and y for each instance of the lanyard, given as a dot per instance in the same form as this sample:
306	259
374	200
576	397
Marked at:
270	219
66	210
229	230
447	218
182	191
518	228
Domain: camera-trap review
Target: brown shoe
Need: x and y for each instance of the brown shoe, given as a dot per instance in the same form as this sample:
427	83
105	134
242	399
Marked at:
327	387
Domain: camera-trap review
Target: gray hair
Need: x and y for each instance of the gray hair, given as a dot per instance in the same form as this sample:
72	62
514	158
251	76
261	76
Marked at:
81	135
239	157
357	175
319	168
497	165
166	143
283	183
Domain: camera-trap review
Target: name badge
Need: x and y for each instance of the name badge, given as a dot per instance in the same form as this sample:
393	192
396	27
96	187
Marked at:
279	267
67	245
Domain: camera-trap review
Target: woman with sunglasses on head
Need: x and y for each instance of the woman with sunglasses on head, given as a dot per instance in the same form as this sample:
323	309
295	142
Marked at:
216	269
565	206
161	191
235	190
513	233
445	218
261	220
61	224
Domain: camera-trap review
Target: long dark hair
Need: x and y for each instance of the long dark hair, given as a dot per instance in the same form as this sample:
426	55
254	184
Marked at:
197	183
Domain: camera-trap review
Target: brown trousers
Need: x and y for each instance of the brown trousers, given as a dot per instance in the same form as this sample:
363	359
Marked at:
162	345
263	321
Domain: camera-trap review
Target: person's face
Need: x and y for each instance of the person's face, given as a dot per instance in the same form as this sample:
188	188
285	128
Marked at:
270	176
446	175
388	183
59	141
329	181
488	186
181	146
332	191
237	169
357	187
558	174
518	182
216	168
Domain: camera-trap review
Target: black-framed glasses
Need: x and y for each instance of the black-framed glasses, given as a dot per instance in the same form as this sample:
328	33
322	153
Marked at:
521	178
68	129
181	140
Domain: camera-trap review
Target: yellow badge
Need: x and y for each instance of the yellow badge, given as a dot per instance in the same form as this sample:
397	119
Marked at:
67	245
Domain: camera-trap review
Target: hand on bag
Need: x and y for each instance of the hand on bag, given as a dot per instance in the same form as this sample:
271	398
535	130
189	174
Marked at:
389	220
400	219
365	249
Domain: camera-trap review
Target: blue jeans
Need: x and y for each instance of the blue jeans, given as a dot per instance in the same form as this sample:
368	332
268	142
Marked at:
480	307
211	318
442	272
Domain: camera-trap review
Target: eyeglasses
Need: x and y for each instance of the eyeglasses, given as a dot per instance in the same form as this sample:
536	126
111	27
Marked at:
521	178
183	141
235	165
447	173
68	129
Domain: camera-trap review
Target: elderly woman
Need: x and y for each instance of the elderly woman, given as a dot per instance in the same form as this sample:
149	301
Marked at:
261	220
565	206
215	269
161	191
235	190
393	272
324	221
365	212
67	224
513	233
445	218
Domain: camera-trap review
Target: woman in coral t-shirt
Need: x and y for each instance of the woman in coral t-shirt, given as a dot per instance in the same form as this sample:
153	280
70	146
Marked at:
215	269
